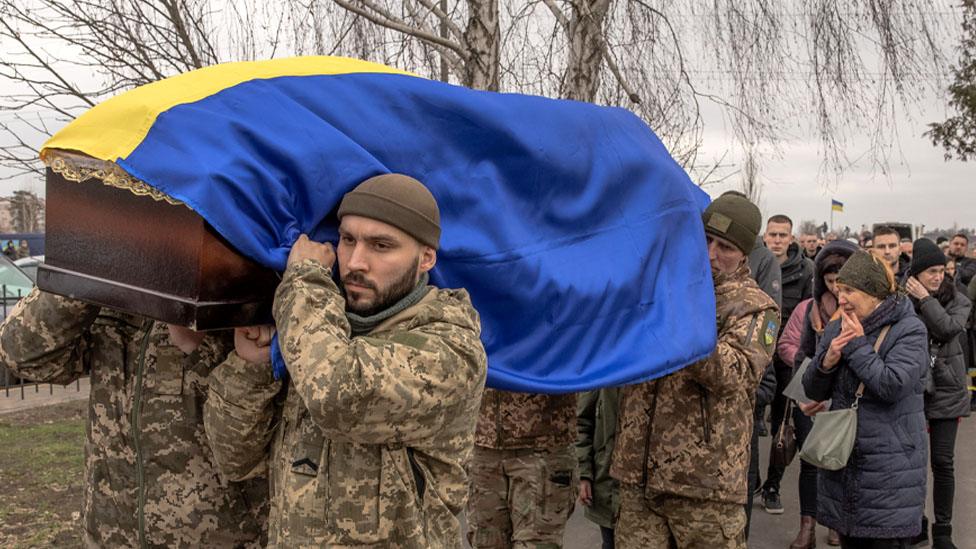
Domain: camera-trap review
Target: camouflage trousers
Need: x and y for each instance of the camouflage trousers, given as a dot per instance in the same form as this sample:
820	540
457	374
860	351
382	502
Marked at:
521	498
663	521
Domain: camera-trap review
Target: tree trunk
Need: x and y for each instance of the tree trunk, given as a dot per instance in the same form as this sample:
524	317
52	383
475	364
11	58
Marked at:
581	80
482	37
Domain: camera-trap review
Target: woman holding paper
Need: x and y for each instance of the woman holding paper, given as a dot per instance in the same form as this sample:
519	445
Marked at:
797	344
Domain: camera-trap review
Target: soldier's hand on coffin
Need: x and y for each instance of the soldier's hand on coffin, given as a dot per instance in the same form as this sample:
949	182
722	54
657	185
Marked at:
253	343
185	339
304	248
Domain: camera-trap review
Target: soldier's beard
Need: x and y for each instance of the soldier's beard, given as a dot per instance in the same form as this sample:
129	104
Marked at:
385	297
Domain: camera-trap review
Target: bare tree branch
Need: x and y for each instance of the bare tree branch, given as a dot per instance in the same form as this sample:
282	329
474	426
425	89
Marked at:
383	18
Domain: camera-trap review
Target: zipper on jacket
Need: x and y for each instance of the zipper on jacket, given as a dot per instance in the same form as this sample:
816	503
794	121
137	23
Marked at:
327	457
135	426
647	437
706	425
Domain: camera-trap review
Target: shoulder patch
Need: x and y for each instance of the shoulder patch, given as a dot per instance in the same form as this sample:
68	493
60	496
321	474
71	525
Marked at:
767	336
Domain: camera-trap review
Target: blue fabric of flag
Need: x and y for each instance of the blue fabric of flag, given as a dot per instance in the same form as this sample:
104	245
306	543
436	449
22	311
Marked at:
577	235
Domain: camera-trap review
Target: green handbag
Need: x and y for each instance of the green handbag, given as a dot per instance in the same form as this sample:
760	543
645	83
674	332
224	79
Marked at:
831	441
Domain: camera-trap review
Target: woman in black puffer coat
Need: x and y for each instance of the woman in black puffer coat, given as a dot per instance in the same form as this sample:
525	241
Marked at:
945	311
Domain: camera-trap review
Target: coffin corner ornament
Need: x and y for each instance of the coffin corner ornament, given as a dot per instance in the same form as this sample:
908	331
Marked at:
576	234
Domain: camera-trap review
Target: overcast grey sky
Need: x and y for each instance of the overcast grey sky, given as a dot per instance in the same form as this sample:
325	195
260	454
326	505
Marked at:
920	186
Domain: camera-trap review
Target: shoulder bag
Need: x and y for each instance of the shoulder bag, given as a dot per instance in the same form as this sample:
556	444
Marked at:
831	441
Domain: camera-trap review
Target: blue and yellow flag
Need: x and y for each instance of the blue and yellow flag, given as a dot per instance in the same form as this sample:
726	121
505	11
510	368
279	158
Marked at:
576	234
836	206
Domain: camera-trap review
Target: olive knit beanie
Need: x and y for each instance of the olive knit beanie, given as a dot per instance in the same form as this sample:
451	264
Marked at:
399	200
733	217
868	273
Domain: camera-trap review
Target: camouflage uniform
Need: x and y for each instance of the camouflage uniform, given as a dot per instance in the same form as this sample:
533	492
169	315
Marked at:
682	449
150	479
367	445
524	477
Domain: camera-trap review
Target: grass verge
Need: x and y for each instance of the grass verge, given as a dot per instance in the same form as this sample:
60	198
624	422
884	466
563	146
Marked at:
41	476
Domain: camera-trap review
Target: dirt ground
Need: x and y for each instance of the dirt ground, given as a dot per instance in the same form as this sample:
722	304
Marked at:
41	476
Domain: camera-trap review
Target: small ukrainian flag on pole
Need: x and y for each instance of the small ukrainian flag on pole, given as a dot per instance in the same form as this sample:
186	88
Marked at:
836	206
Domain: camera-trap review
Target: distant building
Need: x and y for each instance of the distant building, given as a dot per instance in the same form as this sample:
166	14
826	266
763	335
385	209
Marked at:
6	218
22	213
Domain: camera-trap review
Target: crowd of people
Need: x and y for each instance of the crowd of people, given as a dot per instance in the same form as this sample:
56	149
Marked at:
372	427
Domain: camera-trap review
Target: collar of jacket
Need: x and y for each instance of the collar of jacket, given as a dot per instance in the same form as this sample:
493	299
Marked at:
892	309
363	325
726	281
406	314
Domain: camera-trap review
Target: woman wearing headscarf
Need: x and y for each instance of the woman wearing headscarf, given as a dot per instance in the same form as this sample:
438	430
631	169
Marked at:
798	341
945	311
877	499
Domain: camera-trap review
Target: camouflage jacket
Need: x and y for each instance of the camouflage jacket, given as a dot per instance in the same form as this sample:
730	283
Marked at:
510	421
688	433
150	479
370	444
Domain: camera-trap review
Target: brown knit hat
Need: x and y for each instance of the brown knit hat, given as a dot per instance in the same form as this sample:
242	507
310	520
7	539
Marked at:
868	273
399	200
733	217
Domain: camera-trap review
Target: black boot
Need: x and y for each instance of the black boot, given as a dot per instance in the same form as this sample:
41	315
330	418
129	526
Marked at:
942	536
923	537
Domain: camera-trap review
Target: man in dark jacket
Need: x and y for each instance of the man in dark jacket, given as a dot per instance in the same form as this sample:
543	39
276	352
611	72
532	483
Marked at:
764	397
877	499
765	270
945	312
808	243
797	283
596	420
965	266
887	245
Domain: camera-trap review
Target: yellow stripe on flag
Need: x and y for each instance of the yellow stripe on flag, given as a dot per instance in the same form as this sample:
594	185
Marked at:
114	128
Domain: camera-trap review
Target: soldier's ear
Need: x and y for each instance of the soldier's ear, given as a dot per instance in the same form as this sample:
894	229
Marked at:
428	258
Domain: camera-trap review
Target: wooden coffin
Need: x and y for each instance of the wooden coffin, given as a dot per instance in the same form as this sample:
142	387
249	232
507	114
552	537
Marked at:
144	253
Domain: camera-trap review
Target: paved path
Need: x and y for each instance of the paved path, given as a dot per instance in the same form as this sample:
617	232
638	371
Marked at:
31	396
776	532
